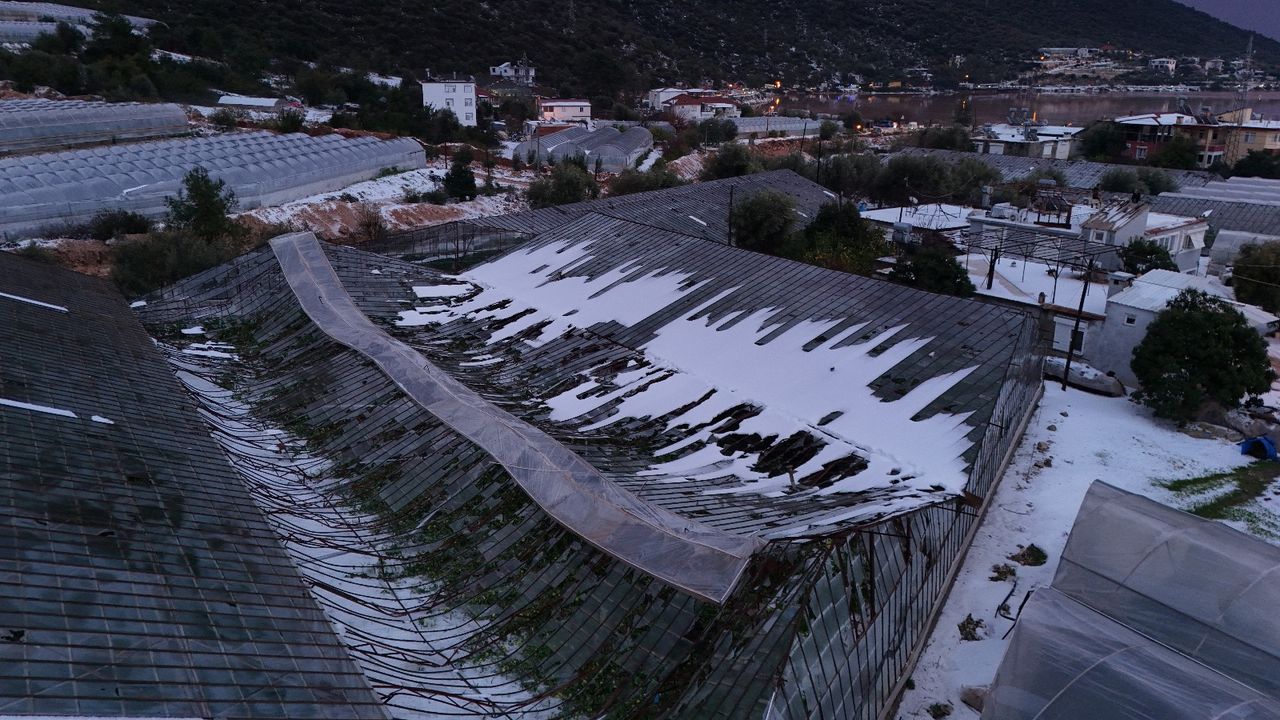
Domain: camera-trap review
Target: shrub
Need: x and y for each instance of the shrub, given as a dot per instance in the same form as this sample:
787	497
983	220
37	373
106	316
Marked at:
460	182
225	118
202	207
567	183
634	181
1199	349
370	227
289	121
828	129
110	224
39	253
1031	556
158	259
937	711
969	628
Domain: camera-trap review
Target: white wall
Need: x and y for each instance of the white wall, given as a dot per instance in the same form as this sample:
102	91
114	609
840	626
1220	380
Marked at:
459	96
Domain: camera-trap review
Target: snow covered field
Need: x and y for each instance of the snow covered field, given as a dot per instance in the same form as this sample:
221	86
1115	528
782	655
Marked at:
1074	439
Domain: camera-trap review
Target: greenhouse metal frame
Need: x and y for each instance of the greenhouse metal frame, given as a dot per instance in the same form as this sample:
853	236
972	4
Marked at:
36	124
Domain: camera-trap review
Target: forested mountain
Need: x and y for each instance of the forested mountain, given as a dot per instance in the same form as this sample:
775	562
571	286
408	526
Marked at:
610	45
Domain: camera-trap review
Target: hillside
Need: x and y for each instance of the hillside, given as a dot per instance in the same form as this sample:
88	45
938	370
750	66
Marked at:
612	45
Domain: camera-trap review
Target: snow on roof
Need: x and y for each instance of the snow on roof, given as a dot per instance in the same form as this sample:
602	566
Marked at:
1023	281
1153	291
1114	215
248	101
1163	222
1006	132
937	216
1161	118
687	99
564	101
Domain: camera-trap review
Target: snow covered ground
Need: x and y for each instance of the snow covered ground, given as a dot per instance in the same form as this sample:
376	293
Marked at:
335	214
1074	439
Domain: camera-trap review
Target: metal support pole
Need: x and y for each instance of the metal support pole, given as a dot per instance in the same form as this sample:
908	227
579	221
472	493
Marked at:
1075	327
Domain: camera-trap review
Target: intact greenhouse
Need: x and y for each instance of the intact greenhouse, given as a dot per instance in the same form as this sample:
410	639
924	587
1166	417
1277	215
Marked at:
1154	614
614	472
614	149
37	124
39	192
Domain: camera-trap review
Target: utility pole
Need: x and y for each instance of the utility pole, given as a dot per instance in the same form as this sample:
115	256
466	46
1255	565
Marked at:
1075	327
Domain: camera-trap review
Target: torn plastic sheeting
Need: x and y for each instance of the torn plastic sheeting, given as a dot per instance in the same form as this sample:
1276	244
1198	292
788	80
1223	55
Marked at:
679	551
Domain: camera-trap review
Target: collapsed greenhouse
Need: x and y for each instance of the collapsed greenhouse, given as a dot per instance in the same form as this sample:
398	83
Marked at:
39	192
616	471
36	124
1153	614
615	150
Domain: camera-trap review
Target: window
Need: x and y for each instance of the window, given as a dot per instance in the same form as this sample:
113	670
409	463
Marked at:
451	88
1130	319
1099	236
469	118
1141	152
1250	138
1062	328
448	102
467	102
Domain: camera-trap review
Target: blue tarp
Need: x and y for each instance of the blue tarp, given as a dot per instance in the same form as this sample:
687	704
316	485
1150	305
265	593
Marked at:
1260	447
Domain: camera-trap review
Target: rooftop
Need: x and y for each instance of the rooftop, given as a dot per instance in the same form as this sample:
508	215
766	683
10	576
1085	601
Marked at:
935	216
138	576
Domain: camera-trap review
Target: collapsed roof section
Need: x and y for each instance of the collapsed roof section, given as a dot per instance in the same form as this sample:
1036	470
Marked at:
522	616
137	576
1153	613
262	168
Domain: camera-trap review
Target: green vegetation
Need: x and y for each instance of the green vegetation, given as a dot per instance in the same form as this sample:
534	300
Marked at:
1030	556
111	224
1144	181
731	160
969	628
1256	275
763	221
618	48
1228	495
202	208
937	711
568	183
1199	349
460	182
1141	256
956	137
935	271
657	177
1258	164
930	179
1102	142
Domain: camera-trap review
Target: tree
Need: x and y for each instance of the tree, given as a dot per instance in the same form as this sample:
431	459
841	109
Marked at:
1180	153
956	137
838	238
1156	181
1256	275
113	37
1258	164
1142	256
1199	349
64	40
460	182
828	129
202	208
370	227
731	160
1102	141
633	181
568	183
763	221
1117	180
714	131
935	271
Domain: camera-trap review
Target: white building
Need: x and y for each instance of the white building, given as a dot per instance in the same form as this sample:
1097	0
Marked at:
519	71
457	94
1039	141
1164	64
1132	305
694	108
576	110
657	98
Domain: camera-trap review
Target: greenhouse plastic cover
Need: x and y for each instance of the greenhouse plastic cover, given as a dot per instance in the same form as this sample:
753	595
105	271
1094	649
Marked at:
35	124
1189	587
262	168
682	552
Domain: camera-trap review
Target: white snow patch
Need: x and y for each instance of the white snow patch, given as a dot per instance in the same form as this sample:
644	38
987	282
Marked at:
1096	438
37	303
138	303
103	420
194	330
36	408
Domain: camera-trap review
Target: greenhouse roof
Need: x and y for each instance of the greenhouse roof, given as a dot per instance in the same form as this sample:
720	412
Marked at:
1084	174
1153	613
37	124
698	210
262	168
138	577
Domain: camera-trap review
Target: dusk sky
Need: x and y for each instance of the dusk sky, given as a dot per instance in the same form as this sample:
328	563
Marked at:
1260	15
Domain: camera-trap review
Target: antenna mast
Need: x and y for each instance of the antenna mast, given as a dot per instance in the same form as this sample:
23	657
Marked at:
1235	137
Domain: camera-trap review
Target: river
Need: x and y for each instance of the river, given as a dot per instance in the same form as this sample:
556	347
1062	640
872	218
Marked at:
1059	109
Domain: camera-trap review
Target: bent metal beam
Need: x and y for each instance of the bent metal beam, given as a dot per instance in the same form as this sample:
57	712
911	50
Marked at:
686	554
